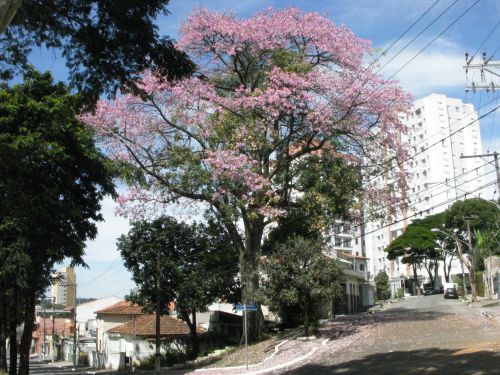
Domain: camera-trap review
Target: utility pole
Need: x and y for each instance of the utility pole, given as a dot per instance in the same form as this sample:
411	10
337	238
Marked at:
158	312
53	328
75	362
44	335
486	65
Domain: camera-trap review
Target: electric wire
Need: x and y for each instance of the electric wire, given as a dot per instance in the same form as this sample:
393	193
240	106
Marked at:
434	39
418	35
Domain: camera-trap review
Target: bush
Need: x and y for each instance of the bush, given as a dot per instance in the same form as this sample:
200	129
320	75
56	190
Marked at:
400	293
171	357
382	286
480	283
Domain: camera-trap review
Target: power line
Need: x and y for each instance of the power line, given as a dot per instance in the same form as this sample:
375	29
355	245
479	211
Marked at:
430	208
419	34
483	42
435	38
401	36
435	186
434	144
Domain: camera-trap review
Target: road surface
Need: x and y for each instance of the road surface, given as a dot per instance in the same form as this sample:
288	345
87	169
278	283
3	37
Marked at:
422	335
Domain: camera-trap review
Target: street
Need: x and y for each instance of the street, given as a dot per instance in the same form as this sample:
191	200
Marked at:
36	367
418	336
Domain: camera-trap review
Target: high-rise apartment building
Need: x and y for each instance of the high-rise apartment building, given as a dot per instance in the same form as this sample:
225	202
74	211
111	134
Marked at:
440	130
64	291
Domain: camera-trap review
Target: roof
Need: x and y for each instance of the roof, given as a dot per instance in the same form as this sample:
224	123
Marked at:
145	326
347	255
121	308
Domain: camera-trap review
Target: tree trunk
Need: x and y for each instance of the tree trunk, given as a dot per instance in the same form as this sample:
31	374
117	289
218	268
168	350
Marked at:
24	348
194	335
13	335
473	284
158	315
428	268
416	286
8	10
306	314
470	268
249	265
3	331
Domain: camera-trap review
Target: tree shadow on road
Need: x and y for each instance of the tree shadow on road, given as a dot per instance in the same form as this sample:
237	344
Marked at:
403	314
416	362
347	325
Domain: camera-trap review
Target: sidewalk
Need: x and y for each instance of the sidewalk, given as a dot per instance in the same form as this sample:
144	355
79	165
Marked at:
487	307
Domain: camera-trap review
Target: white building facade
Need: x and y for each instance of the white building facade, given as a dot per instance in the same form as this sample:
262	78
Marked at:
440	131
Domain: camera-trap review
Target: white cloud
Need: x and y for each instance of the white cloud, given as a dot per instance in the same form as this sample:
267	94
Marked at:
103	248
434	70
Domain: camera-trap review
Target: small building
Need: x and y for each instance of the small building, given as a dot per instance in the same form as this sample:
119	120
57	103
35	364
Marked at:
46	339
134	340
491	275
114	316
358	293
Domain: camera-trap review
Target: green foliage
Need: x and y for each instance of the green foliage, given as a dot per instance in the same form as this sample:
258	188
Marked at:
480	283
52	180
481	214
169	358
382	286
488	241
298	274
414	245
105	43
188	257
195	266
400	293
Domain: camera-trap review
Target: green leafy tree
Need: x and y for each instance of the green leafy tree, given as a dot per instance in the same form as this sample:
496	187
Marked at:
52	180
191	265
445	243
105	43
414	246
382	285
300	274
463	220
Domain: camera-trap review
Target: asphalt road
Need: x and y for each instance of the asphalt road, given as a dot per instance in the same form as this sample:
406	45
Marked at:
38	368
422	335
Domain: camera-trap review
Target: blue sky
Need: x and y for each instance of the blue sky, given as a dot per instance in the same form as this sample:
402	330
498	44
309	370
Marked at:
436	70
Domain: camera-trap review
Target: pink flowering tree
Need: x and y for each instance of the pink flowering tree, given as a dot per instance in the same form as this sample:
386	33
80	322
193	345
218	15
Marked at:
269	92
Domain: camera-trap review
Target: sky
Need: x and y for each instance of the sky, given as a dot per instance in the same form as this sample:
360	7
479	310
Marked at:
435	69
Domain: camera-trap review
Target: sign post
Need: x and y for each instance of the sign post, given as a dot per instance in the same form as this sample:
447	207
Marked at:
245	308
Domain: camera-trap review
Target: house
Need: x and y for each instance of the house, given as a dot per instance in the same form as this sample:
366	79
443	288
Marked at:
134	340
116	325
86	317
114	316
358	293
51	326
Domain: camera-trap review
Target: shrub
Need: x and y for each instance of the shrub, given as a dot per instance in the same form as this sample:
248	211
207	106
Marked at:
382	286
400	293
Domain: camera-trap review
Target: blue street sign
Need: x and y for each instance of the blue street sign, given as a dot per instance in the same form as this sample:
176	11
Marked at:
249	307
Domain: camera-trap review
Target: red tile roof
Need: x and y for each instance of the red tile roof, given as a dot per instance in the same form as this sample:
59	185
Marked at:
145	326
122	308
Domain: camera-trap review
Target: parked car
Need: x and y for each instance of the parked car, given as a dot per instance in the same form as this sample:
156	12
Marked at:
451	293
